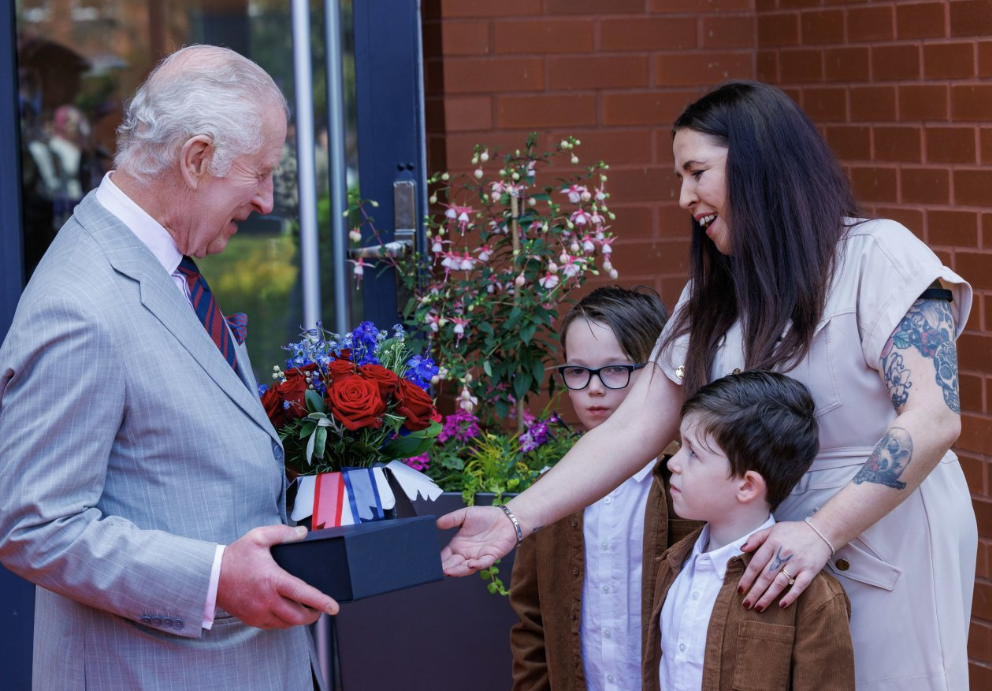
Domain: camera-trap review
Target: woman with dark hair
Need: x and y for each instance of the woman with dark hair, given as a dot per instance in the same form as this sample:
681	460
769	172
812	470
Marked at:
786	276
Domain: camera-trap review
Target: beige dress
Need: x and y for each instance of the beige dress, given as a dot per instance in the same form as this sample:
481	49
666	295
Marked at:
910	576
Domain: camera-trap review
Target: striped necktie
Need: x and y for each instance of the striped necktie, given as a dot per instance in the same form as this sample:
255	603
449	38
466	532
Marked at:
206	309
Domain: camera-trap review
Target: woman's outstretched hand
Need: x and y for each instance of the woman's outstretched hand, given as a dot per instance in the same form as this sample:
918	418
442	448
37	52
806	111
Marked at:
485	536
792	546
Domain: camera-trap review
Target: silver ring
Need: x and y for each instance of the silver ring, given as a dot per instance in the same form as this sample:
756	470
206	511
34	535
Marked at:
788	575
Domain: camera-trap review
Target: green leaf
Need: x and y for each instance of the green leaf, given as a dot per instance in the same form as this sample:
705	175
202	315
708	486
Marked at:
487	368
307	429
537	371
527	332
521	385
320	441
315	404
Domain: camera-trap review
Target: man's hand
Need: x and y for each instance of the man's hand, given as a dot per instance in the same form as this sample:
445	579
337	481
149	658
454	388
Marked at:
485	536
253	588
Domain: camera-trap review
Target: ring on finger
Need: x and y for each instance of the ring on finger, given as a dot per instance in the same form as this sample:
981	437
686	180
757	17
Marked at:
788	575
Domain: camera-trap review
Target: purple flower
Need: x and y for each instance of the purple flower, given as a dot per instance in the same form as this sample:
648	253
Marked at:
535	436
461	425
418	462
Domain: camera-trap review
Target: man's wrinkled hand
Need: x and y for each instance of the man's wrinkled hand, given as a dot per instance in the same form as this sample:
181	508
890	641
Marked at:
254	589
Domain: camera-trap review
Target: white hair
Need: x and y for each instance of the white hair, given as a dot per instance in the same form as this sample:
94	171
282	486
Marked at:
199	90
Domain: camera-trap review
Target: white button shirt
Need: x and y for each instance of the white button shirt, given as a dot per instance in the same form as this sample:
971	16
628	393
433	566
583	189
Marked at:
610	629
685	616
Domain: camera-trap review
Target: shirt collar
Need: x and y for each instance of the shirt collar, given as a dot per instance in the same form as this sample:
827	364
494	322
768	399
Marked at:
721	557
151	233
646	470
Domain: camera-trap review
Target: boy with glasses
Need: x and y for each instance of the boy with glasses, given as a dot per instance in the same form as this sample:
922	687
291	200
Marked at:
577	584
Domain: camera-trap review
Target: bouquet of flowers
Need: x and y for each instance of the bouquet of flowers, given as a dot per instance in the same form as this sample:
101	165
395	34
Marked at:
352	402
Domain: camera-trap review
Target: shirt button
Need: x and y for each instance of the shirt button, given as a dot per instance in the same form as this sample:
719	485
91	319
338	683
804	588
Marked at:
604	544
575	571
607	633
609	678
608	500
695	595
843	564
681	647
606	588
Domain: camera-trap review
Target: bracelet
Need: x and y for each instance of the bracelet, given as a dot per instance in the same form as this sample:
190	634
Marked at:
513	519
809	522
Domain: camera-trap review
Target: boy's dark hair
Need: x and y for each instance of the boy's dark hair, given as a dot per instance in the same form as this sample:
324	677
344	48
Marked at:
764	422
636	316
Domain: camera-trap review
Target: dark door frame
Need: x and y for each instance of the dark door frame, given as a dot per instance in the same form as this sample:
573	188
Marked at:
16	594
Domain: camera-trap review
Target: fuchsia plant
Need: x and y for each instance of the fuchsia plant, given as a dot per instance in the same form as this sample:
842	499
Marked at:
504	252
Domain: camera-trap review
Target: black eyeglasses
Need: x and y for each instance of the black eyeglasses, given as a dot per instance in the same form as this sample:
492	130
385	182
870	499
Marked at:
613	376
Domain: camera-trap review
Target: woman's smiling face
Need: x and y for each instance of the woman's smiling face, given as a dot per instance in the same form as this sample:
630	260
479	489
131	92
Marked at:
701	166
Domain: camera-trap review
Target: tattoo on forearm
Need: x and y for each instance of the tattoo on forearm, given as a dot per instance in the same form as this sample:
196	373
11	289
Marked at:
897	379
929	328
778	561
888	460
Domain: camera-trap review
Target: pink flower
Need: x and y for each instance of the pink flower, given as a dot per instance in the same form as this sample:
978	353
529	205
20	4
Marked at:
461	214
588	245
460	324
359	270
549	281
580	217
485	252
575	193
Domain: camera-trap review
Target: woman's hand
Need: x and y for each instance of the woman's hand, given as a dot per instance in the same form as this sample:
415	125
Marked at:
792	546
486	535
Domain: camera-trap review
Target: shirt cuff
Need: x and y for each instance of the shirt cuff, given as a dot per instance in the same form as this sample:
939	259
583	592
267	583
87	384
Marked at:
211	607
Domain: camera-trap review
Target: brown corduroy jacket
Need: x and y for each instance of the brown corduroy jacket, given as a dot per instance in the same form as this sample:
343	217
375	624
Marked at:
805	647
546	591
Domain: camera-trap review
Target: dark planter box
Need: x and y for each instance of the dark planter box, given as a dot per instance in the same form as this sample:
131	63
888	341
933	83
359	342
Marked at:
357	561
452	634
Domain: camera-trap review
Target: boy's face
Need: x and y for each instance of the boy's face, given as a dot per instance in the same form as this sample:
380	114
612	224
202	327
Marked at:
702	487
594	345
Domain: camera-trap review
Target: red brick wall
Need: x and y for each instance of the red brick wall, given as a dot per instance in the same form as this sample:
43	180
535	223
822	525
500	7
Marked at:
901	90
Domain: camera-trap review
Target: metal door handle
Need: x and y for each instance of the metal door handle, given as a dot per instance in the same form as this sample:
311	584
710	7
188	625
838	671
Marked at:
405	224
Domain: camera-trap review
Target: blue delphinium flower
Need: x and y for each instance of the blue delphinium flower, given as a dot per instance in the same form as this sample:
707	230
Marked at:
262	388
421	370
364	341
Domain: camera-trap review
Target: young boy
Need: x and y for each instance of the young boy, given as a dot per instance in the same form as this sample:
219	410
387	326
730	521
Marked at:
747	439
577	584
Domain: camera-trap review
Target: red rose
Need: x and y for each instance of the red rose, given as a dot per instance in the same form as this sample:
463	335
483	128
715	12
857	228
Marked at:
415	405
356	402
386	379
294	392
272	402
341	370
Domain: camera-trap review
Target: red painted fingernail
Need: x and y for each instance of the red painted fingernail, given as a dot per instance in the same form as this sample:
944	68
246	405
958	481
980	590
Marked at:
759	609
744	547
740	590
747	604
783	605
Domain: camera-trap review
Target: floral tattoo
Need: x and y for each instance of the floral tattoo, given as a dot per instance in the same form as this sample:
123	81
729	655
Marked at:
888	460
929	328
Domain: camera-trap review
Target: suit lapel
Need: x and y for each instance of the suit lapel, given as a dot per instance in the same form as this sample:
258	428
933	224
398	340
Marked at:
159	295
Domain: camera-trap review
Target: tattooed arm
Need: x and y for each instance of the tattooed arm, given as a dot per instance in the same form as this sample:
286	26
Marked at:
919	369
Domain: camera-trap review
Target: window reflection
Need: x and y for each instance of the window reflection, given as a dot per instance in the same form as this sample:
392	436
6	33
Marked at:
78	60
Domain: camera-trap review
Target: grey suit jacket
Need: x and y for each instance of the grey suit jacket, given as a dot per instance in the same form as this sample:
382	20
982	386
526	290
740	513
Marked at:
129	449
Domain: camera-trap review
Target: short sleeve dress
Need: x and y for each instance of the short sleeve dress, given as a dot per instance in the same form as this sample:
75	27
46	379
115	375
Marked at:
910	577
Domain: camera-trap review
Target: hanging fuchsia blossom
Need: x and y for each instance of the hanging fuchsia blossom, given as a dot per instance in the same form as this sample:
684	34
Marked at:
461	215
575	193
580	217
549	281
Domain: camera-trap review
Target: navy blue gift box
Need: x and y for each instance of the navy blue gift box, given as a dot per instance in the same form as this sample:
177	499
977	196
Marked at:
357	561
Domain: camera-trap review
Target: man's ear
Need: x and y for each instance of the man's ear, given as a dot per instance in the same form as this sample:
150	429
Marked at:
194	159
751	487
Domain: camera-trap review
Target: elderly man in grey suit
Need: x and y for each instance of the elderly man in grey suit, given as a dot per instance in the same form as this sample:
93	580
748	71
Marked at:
141	483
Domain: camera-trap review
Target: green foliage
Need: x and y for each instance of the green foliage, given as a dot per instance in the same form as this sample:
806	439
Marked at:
504	252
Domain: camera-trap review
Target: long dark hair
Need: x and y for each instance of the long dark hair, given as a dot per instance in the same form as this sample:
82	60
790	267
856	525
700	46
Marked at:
787	199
